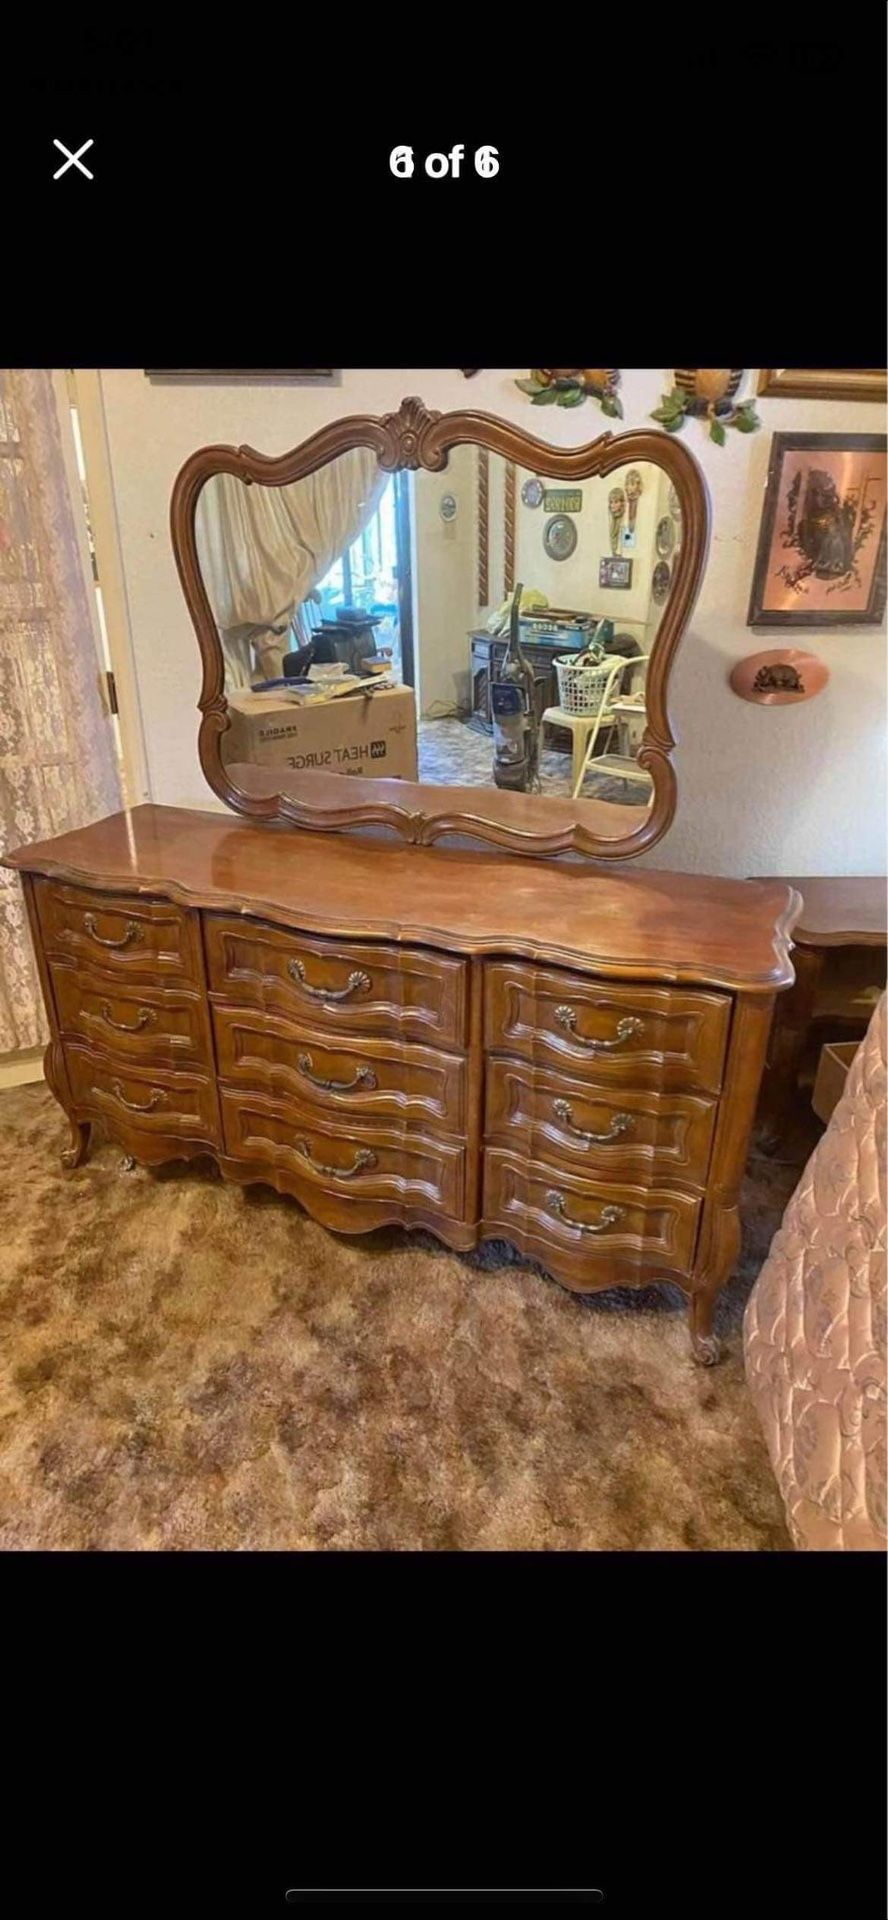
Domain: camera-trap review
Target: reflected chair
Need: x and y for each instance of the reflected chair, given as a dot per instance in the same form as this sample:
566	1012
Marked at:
585	711
613	766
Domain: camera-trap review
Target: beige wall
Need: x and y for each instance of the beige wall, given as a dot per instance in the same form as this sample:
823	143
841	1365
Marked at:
783	789
574	582
445	584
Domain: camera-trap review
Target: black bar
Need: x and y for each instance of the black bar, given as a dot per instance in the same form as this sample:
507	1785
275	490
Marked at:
438	1896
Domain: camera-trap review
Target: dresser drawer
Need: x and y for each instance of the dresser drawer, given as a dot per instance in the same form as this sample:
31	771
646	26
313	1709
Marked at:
131	939
379	1163
633	1036
364	1078
600	1232
144	1099
611	1131
338	985
147	1024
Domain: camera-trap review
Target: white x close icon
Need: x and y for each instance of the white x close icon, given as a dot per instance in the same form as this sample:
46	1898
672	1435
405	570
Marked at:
74	159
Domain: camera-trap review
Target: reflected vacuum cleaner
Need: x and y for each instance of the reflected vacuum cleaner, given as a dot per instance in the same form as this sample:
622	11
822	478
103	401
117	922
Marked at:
516	744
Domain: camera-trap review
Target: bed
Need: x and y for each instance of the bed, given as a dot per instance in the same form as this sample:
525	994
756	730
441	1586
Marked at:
814	1329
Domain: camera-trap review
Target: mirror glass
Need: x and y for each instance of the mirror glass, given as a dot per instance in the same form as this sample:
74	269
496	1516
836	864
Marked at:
369	622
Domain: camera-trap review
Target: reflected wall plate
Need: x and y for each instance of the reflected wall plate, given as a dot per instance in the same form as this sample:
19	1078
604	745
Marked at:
661	582
532	493
665	537
447	507
674	502
560	537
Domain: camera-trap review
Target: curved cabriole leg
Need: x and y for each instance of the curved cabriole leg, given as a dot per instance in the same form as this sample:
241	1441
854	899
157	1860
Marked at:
705	1345
77	1151
720	1245
54	1071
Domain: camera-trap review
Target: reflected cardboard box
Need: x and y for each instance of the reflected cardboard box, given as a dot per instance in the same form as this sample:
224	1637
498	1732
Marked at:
370	734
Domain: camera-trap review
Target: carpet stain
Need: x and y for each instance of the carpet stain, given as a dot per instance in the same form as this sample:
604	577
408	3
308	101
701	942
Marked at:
187	1364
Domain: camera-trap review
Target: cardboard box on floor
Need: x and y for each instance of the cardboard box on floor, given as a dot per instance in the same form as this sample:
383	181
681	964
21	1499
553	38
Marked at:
373	735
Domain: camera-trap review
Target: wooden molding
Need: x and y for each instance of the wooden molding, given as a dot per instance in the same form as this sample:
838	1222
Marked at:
483	527
415	437
814	383
509	497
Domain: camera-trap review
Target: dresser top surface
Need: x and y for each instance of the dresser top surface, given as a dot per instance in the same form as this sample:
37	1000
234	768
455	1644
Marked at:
639	922
841	910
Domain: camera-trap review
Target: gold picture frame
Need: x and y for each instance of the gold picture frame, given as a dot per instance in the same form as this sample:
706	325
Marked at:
823	383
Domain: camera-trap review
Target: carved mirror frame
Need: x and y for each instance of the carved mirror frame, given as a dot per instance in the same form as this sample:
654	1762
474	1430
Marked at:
538	824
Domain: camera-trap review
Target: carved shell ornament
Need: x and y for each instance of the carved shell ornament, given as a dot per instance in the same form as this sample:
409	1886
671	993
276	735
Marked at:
405	435
570	386
707	393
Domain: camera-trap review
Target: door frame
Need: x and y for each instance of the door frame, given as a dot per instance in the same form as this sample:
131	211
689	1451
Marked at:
109	566
404	539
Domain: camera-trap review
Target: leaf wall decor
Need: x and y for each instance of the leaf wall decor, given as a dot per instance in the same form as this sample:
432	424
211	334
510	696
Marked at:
707	393
570	386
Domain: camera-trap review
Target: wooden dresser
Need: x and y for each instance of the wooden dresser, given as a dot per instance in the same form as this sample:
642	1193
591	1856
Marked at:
563	1056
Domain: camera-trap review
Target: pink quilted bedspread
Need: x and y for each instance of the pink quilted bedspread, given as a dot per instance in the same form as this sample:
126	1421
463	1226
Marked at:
814	1330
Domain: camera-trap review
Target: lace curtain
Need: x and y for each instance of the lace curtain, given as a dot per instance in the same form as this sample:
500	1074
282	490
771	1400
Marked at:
57	764
262	551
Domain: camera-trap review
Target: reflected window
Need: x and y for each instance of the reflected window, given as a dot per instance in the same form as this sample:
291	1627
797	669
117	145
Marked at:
366	575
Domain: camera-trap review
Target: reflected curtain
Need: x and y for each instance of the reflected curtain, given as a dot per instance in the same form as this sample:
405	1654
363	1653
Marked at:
57	763
262	551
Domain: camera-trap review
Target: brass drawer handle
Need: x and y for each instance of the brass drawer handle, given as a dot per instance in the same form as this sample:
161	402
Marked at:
144	1018
364	1077
156	1097
626	1030
620	1124
358	982
557	1204
130	932
363	1158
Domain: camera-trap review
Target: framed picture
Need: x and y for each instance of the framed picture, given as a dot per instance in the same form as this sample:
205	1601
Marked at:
614	573
821	550
823	383
239	373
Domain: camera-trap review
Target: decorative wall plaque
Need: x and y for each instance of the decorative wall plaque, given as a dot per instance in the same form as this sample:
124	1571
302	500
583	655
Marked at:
563	500
780	678
616	507
634	491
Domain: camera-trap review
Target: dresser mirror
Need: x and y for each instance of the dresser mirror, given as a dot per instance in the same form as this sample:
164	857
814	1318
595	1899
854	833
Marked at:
440	624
